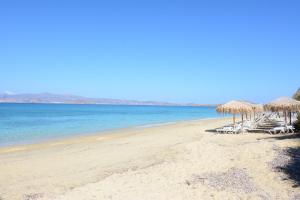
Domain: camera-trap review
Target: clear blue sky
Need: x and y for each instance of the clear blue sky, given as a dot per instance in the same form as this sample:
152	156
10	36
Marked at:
177	51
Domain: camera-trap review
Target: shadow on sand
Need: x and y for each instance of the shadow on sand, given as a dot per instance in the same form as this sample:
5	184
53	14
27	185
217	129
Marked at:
283	137
211	130
292	168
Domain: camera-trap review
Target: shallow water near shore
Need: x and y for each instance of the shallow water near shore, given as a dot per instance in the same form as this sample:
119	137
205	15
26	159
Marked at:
30	123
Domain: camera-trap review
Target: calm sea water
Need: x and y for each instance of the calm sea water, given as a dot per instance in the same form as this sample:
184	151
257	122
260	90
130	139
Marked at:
30	123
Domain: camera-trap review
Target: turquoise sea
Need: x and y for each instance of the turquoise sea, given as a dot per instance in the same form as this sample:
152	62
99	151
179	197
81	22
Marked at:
30	123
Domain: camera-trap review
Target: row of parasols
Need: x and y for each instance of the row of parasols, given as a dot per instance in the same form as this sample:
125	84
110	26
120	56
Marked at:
285	105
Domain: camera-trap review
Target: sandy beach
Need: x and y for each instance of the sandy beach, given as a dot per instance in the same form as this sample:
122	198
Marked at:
175	161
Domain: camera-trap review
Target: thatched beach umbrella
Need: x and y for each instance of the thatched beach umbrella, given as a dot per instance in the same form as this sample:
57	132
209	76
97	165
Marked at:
235	107
257	108
284	104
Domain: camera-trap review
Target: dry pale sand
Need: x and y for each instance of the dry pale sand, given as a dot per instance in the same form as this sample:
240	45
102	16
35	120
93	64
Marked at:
178	161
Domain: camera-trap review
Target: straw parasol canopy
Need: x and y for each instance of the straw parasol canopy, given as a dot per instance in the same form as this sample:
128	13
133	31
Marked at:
259	108
235	107
284	104
256	108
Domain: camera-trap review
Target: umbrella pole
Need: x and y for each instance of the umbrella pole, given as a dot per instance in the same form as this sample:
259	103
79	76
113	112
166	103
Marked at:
290	114
285	120
233	119
243	122
242	118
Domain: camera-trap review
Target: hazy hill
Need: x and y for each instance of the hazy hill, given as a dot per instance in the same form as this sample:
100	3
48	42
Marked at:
70	99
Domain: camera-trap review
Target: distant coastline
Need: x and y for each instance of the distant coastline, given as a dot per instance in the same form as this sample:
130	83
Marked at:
49	98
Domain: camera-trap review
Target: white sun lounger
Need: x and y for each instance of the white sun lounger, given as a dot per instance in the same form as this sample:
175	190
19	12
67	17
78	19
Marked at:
236	129
230	129
225	129
290	128
280	129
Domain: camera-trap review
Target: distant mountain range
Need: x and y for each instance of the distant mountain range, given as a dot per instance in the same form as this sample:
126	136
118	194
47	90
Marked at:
9	97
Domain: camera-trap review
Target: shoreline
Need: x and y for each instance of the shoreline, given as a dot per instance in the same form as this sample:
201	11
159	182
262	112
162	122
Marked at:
91	136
